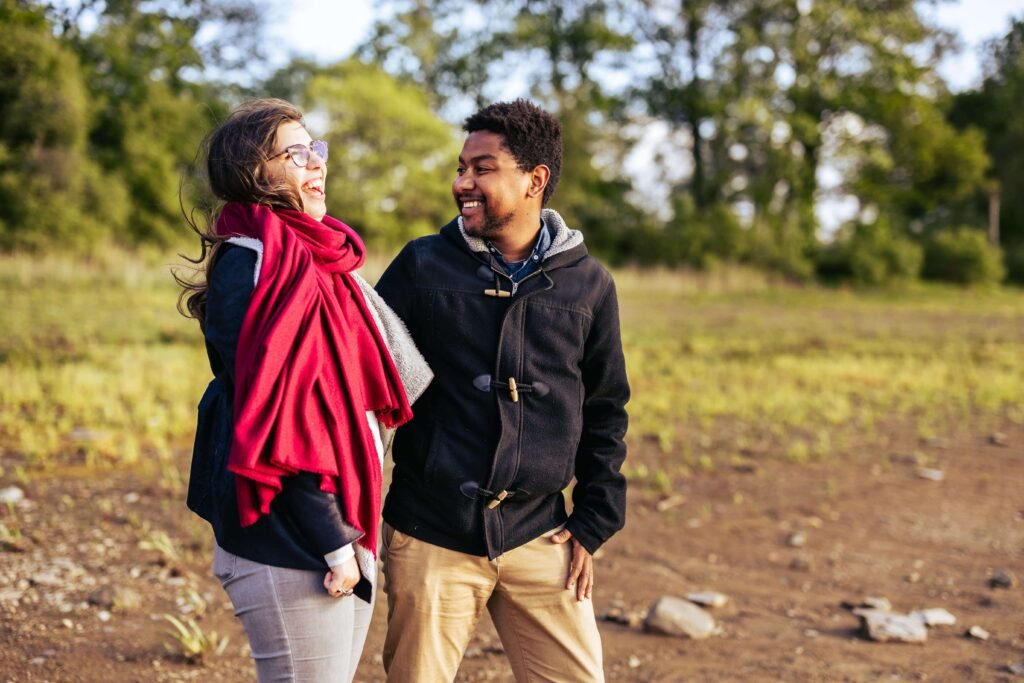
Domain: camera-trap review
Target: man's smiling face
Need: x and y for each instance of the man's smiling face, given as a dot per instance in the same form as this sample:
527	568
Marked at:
489	188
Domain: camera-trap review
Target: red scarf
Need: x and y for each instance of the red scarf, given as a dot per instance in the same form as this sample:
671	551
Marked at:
310	364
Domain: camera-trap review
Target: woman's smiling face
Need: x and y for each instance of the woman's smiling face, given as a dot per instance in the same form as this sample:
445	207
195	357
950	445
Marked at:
308	180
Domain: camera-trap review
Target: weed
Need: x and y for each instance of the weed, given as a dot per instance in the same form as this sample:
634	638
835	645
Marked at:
190	640
162	543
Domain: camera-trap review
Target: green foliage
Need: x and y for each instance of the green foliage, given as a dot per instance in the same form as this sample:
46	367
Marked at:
963	256
392	159
51	194
873	255
1013	256
995	109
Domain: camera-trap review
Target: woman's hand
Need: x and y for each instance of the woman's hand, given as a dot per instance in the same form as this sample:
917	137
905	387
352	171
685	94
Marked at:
340	581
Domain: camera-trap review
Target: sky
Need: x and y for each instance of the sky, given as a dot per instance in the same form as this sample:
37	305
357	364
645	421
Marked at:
328	31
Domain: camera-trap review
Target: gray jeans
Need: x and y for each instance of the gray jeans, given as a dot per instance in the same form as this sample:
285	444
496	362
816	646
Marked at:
297	632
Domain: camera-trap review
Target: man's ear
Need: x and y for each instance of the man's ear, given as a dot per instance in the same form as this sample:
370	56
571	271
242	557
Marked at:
539	177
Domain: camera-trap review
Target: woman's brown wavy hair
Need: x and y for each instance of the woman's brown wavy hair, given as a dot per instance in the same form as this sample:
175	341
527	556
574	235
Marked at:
235	153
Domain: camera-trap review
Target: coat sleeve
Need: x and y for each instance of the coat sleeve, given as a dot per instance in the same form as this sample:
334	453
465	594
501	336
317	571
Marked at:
316	513
599	497
396	286
227	300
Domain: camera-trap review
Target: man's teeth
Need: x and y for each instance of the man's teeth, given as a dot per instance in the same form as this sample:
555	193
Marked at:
471	205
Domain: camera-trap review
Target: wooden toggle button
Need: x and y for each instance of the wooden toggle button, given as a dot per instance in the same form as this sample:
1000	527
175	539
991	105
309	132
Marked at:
500	293
496	501
512	390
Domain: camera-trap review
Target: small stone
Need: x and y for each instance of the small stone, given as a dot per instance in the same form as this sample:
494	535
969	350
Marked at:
1002	579
915	458
102	597
37	661
103	615
131	497
677	617
998	439
633	662
913	577
797	540
878	603
708	598
930	473
1017	668
67	623
935	616
801	564
883	627
672	501
812	633
977	632
11	495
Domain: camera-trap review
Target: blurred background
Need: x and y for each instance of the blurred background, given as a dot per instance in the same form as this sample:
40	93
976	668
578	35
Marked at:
866	142
814	213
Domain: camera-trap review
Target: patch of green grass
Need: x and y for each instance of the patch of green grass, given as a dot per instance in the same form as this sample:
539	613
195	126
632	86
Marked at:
97	367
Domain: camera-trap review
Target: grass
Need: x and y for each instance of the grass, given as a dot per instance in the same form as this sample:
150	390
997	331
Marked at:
98	368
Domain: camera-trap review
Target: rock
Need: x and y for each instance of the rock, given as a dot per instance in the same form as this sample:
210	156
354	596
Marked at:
977	632
11	495
797	540
672	501
103	615
1002	579
801	564
677	617
1017	668
930	473
868	604
708	598
998	439
915	458
934	617
102	597
634	662
888	626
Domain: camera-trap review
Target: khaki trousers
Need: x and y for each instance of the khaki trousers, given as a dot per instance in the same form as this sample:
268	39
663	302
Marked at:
436	597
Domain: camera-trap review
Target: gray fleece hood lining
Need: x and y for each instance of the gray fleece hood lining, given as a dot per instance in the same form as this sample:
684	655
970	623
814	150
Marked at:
563	238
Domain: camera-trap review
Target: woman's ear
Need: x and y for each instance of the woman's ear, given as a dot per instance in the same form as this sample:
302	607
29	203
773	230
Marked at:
539	177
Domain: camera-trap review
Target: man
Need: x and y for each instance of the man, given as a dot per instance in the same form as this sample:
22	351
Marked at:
521	328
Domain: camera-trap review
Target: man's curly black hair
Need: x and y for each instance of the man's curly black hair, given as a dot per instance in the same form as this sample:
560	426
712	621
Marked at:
532	136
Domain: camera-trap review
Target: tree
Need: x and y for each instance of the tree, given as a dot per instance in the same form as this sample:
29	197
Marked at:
994	109
51	194
392	160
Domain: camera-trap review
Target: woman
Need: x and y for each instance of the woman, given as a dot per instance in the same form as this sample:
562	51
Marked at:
287	460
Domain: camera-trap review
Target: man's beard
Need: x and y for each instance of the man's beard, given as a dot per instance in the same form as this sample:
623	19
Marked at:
492	226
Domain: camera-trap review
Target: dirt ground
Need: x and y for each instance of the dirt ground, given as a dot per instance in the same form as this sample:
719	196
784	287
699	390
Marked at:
82	600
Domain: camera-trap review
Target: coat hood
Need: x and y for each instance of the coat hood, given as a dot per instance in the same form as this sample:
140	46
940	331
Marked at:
563	238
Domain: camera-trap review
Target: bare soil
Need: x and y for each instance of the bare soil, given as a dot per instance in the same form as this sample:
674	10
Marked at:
82	600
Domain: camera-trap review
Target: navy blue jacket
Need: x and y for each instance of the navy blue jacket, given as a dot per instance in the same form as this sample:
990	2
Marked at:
304	522
481	469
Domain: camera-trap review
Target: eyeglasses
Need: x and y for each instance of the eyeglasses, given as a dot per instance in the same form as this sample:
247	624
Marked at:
300	153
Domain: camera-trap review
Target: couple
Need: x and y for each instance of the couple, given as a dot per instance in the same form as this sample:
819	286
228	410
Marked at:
500	333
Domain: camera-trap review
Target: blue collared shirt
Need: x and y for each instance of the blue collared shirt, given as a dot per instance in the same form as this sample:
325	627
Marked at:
518	270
